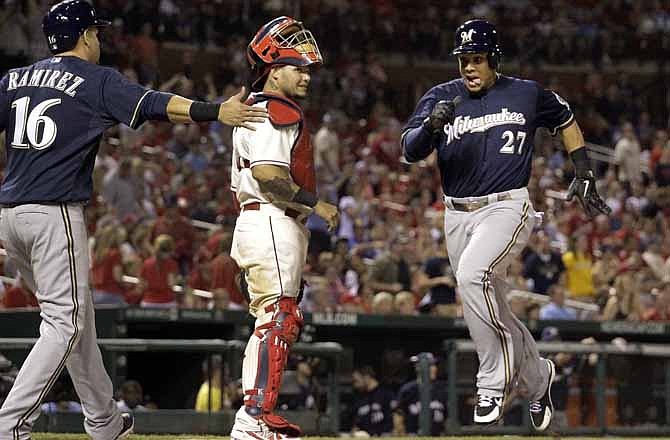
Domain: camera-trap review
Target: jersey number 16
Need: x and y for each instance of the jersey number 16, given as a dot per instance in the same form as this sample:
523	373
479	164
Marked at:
29	124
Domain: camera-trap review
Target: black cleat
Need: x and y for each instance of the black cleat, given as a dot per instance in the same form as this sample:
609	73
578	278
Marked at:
128	425
488	410
542	410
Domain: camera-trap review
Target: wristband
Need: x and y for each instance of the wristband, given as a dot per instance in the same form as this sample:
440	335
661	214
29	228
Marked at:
581	161
204	111
305	198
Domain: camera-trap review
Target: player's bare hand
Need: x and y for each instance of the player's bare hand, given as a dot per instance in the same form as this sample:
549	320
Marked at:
236	113
329	213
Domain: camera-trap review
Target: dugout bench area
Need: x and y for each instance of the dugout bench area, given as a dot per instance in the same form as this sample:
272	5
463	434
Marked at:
164	349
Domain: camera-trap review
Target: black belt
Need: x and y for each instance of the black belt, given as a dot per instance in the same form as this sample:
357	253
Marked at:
476	203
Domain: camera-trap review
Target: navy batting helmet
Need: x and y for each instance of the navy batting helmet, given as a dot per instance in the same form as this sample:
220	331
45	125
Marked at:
478	36
66	21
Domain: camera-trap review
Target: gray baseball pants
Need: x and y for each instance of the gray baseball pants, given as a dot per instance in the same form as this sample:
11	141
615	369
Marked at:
480	244
48	244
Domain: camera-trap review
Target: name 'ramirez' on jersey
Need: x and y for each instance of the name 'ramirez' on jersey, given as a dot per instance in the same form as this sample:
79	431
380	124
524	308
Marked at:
54	113
489	147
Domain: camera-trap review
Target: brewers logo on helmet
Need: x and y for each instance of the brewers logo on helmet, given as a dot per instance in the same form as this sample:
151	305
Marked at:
478	36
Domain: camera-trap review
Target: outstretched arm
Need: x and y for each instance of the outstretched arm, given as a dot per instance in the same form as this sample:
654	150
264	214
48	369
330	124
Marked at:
123	100
232	112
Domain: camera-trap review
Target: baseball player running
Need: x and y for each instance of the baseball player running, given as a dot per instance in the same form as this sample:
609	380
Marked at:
54	113
482	126
273	180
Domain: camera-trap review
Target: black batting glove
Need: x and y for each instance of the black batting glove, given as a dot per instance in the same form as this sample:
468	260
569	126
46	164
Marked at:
443	113
584	188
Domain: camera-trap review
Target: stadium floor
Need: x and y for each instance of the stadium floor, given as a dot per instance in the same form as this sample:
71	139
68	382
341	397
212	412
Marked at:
59	436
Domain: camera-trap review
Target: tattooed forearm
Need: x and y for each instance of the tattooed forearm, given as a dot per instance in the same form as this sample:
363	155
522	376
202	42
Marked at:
278	189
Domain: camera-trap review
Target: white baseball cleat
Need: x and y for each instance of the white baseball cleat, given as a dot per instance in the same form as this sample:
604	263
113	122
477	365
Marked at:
265	434
247	427
488	410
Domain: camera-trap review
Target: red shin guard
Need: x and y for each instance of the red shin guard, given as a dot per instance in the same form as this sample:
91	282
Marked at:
276	337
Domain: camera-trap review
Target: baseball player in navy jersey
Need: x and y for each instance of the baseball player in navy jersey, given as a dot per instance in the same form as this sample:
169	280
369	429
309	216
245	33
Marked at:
482	126
54	113
274	183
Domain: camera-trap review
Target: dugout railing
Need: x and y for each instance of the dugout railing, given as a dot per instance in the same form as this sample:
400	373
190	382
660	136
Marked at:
185	421
457	389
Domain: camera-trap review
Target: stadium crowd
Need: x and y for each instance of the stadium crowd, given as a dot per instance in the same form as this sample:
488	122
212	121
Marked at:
163	211
579	31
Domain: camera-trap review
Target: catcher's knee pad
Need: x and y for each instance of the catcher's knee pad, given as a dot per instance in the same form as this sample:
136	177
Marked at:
273	342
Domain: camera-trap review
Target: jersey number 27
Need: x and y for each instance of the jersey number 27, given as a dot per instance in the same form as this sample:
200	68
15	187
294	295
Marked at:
510	146
29	124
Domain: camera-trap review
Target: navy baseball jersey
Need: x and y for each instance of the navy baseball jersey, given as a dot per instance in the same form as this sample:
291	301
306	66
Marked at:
409	404
373	411
54	113
489	146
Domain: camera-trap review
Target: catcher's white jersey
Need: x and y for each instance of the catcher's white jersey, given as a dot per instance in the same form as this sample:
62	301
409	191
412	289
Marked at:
267	145
270	241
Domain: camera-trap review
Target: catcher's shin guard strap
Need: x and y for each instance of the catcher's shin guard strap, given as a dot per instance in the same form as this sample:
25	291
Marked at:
281	425
273	341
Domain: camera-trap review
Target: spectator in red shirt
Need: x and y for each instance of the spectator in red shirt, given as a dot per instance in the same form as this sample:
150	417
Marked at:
159	274
177	226
661	309
629	229
200	278
659	144
137	249
107	267
18	296
209	250
662	169
385	145
224	272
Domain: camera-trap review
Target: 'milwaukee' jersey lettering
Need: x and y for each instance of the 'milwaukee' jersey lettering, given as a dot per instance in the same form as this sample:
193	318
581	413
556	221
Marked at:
489	146
54	113
466	124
